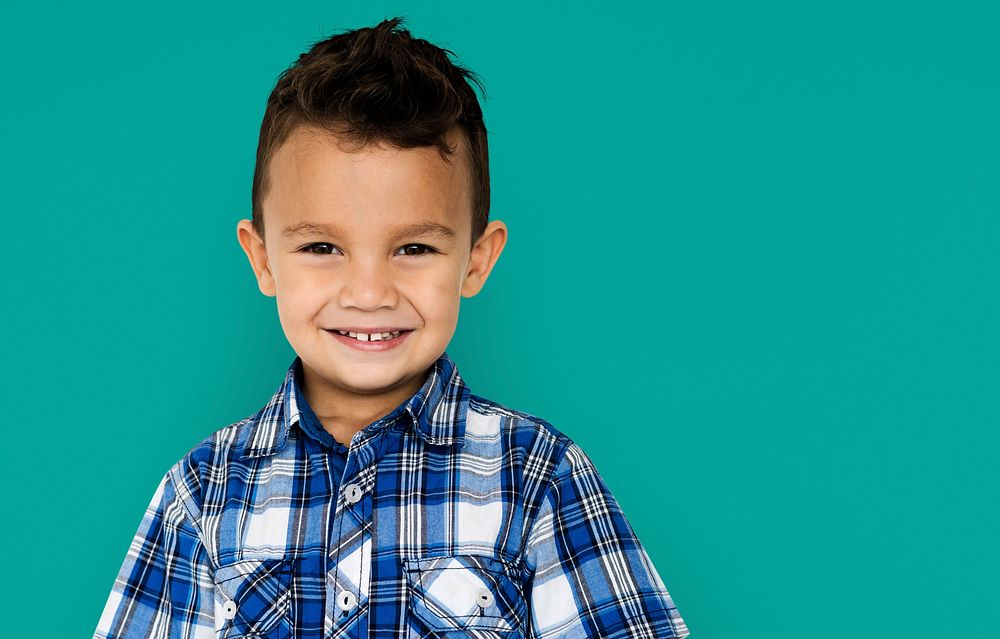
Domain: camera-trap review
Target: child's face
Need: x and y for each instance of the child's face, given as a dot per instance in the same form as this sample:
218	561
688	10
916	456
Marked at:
350	264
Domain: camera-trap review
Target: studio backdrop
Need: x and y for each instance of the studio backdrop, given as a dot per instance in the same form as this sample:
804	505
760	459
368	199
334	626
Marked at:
752	269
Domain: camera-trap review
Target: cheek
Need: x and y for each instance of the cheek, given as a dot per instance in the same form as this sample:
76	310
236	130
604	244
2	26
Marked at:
436	294
299	297
443	284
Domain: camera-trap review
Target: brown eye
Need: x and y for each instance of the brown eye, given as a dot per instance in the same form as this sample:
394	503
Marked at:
311	248
424	250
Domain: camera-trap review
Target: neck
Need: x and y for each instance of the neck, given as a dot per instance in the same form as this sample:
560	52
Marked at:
344	413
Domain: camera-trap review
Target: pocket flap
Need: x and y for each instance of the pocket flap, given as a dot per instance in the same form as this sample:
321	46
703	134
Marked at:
463	592
259	590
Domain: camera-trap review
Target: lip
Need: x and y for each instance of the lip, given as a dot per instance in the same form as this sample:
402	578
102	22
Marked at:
375	329
378	345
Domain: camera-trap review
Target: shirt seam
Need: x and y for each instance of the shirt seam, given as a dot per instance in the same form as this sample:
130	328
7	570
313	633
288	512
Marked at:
624	622
189	517
549	483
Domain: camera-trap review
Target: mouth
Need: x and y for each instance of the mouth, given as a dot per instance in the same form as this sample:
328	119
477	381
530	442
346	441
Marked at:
372	335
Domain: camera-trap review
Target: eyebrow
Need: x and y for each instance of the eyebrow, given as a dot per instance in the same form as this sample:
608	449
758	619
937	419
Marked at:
419	229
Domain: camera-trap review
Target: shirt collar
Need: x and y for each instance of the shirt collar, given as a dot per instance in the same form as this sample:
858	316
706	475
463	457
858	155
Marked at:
308	422
437	410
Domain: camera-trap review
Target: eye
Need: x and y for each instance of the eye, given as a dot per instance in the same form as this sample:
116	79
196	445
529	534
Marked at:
321	248
310	248
427	250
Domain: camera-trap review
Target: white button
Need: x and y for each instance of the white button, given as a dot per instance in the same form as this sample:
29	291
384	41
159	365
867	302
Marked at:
229	609
353	493
346	600
484	598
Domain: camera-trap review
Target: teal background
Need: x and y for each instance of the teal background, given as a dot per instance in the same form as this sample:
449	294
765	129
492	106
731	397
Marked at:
752	270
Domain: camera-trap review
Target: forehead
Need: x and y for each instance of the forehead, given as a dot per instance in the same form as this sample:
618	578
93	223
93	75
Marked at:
318	177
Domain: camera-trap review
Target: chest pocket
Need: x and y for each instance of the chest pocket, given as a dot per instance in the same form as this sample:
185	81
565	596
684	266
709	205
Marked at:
254	599
465	593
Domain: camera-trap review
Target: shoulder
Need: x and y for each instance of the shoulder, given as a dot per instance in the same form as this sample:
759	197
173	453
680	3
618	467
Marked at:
209	460
526	440
549	466
222	446
516	424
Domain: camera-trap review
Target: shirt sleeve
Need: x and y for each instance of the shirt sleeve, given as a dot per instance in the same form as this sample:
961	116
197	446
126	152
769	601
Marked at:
589	575
165	587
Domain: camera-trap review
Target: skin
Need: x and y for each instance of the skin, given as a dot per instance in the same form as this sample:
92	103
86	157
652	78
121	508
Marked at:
362	276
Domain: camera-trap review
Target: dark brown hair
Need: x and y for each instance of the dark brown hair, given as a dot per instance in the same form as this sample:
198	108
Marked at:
378	84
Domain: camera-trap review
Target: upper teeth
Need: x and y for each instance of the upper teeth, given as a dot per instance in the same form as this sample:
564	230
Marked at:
371	337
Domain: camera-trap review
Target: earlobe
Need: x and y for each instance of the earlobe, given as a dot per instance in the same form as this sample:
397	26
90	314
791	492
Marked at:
256	253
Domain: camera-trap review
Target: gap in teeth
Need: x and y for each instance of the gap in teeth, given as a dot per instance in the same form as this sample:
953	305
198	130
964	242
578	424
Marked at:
373	337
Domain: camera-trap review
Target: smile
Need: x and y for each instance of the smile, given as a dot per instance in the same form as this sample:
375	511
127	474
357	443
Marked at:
371	337
370	341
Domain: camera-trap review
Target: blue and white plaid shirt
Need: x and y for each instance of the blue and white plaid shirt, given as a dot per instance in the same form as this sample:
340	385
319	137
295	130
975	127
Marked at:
453	516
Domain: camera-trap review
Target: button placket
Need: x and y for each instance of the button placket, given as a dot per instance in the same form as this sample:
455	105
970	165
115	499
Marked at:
349	555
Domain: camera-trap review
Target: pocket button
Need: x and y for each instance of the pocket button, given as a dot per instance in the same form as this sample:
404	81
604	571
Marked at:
353	492
462	595
484	598
346	600
229	609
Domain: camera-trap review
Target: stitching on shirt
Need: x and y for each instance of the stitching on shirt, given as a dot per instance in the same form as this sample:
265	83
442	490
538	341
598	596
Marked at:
469	616
361	563
474	569
279	563
627	620
341	499
489	407
190	517
528	525
424	595
505	562
281	603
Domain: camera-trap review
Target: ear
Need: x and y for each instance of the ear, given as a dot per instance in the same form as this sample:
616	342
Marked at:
253	246
484	255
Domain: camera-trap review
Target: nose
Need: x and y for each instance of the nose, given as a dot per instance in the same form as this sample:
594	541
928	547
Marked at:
368	285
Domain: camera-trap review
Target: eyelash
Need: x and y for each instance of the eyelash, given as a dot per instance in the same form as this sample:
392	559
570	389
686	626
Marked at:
308	249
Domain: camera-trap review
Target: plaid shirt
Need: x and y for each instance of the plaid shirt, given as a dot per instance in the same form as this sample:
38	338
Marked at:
454	516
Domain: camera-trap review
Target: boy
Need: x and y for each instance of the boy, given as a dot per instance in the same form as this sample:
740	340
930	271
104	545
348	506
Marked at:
374	495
